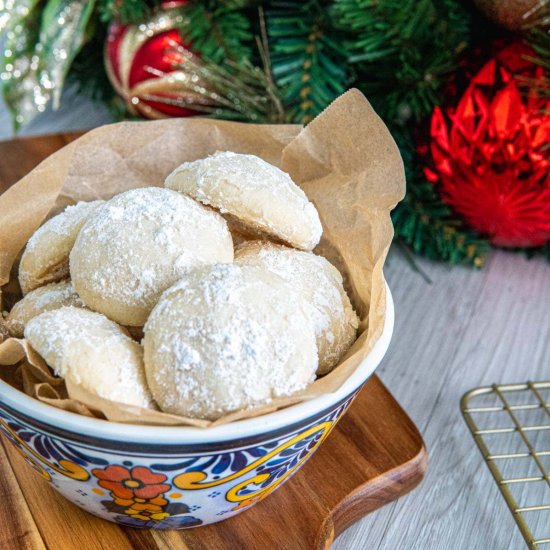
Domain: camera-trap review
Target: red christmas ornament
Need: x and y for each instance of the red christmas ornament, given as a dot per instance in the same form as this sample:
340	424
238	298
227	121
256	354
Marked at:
490	154
140	58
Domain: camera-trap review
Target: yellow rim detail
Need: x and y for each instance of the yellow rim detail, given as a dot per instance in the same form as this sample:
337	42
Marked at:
192	480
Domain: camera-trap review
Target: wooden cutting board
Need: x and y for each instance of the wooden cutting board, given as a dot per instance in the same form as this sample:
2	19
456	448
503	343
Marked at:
373	456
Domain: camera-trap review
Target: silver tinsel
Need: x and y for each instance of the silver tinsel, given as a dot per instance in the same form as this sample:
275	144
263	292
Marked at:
41	43
14	11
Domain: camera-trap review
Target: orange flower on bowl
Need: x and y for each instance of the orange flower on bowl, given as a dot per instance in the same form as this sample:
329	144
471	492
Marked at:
153	505
129	484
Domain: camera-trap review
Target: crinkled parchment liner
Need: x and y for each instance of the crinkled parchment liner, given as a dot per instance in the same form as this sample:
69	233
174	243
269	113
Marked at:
345	160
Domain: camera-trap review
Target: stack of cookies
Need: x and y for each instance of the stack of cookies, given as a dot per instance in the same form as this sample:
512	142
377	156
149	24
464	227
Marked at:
200	298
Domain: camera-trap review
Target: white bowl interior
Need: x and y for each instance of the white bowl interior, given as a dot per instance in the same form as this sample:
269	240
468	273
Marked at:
189	435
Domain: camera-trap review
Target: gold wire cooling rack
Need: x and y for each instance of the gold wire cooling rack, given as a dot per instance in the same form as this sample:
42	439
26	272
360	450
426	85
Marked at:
511	426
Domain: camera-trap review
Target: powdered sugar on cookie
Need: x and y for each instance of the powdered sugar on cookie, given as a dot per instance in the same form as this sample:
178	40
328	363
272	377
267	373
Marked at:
225	338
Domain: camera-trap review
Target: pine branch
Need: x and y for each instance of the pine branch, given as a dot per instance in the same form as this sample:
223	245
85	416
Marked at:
539	34
426	224
429	228
126	11
308	64
403	50
217	29
539	39
231	90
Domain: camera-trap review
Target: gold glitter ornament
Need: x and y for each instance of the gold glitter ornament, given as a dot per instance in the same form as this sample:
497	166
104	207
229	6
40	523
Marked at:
144	61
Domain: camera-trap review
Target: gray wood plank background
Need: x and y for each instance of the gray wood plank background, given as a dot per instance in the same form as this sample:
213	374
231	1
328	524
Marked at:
466	329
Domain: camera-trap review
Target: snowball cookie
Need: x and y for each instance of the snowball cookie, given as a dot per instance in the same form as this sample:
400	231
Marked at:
93	352
39	300
138	245
46	256
255	195
320	283
226	338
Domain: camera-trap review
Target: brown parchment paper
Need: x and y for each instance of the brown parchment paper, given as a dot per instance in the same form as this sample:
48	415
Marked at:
345	160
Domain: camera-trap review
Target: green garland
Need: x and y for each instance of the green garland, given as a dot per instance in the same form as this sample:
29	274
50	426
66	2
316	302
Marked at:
129	11
425	223
398	52
403	50
218	29
309	63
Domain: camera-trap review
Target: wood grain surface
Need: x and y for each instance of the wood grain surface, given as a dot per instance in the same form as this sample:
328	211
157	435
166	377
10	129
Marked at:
374	456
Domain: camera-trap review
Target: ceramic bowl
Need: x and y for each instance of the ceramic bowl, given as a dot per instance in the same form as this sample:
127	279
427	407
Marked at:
175	477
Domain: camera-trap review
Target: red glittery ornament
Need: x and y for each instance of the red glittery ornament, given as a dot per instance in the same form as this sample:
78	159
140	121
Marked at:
491	156
139	60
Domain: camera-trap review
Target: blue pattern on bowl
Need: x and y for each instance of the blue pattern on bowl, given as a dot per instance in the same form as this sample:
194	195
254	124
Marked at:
166	489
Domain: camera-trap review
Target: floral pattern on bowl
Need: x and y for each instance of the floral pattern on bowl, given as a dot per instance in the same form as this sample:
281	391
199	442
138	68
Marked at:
166	489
